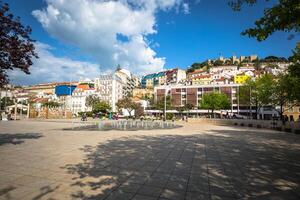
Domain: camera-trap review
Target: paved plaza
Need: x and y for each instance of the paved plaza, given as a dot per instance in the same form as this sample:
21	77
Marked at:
39	160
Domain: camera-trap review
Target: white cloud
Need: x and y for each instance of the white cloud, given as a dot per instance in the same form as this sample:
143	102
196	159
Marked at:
186	8
49	68
95	27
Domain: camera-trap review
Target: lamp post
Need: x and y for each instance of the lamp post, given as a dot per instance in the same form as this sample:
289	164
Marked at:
250	97
165	104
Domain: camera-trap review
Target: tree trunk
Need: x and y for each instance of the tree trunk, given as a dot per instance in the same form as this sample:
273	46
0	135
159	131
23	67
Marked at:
257	109
281	114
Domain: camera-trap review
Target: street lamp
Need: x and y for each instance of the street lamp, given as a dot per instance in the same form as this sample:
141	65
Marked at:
165	104
250	97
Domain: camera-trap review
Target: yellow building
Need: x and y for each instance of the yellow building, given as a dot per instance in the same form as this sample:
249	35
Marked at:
142	93
202	80
162	80
293	113
241	79
149	83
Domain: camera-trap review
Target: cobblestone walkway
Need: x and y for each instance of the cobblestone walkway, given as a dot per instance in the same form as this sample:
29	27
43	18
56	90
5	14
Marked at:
186	164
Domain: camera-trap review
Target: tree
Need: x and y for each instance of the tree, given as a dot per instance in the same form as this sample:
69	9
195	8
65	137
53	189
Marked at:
257	65
294	73
195	66
214	101
139	111
287	85
101	106
185	107
218	63
282	92
51	104
228	62
160	105
91	101
6	101
127	104
16	47
283	16
264	88
259	93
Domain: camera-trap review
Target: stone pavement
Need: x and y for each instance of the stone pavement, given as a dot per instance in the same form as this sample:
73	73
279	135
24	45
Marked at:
198	161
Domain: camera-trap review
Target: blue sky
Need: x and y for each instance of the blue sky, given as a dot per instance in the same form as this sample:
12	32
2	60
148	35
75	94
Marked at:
163	34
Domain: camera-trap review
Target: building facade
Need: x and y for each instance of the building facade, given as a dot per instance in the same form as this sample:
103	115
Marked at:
110	89
192	94
202	80
172	76
292	113
142	93
129	81
77	102
241	79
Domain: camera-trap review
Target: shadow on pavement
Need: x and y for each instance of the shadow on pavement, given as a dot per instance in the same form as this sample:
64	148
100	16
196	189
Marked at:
215	165
17	138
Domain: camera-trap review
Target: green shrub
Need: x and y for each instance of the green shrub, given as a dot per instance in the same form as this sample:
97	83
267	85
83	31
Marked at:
88	114
170	116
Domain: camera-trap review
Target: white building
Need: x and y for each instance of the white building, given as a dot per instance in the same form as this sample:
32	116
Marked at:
223	69
77	102
181	75
127	79
110	89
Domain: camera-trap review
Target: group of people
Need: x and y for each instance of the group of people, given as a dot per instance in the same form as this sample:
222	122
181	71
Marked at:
84	117
109	116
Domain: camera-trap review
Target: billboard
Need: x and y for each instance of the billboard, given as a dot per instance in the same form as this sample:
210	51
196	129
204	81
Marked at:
63	90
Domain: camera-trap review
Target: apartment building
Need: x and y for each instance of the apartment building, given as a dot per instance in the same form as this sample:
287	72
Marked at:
202	80
140	93
129	81
292	113
241	78
197	72
171	76
110	89
192	94
77	102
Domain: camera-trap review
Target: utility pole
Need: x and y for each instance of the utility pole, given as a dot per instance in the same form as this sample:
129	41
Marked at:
238	99
165	104
5	99
15	116
250	102
28	110
21	114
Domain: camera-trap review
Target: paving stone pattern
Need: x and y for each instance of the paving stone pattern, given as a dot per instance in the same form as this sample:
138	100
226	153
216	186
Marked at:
198	161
